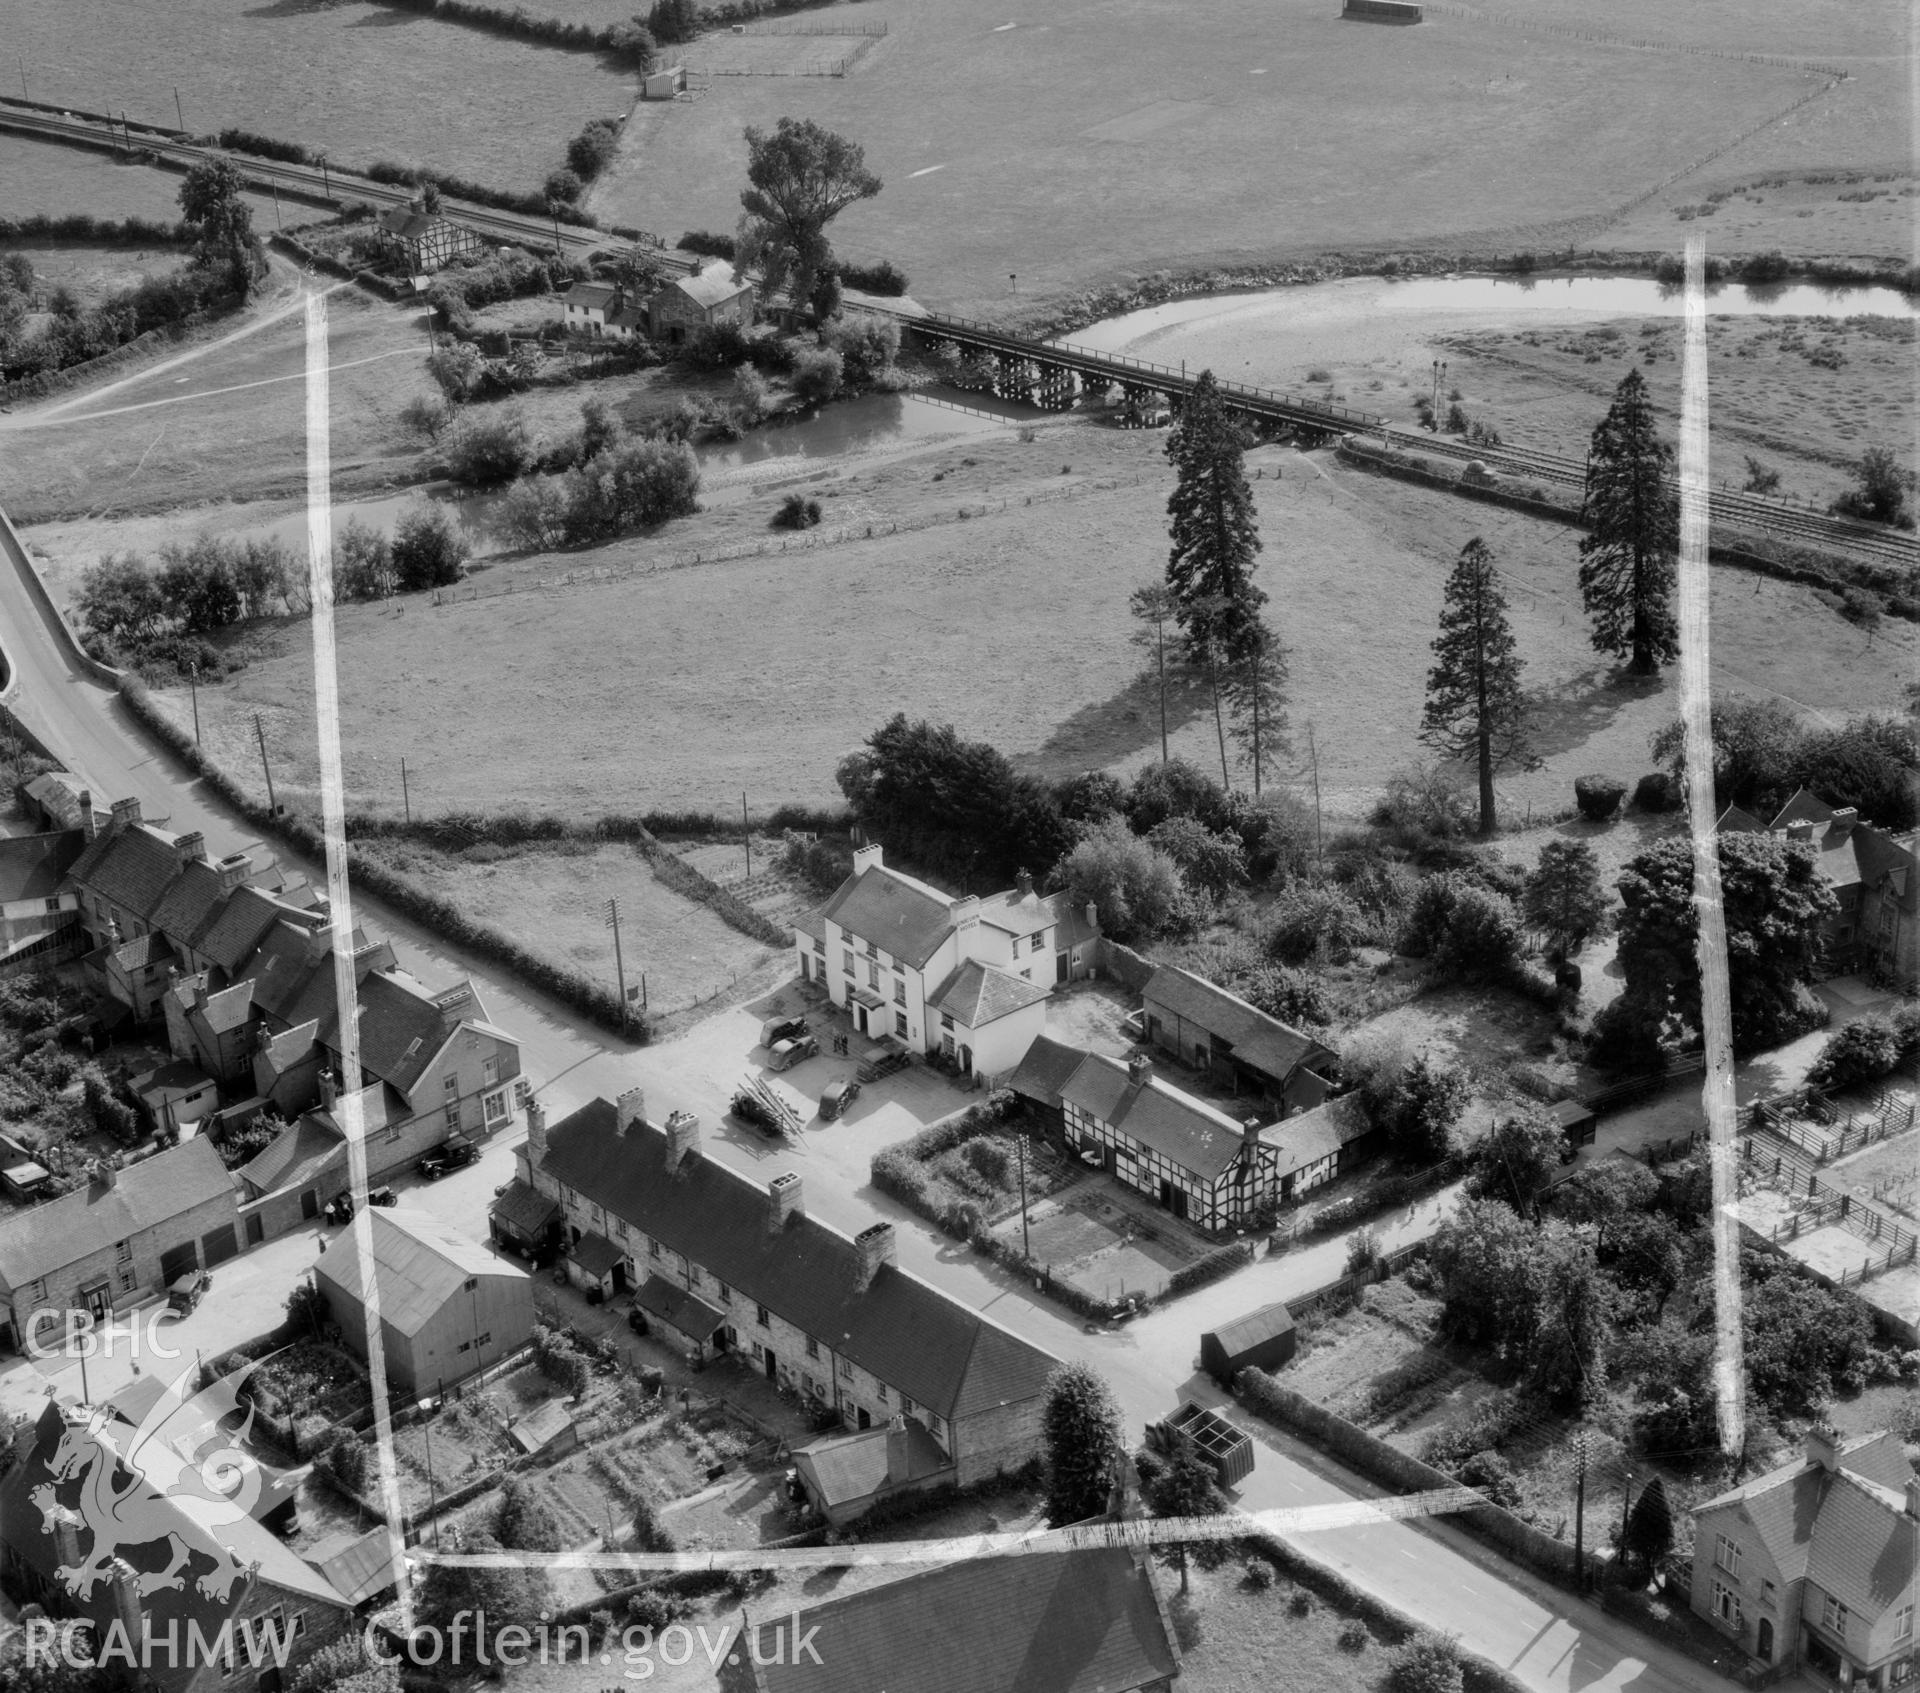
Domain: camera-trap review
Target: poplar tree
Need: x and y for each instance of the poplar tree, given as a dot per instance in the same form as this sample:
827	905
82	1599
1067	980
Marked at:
1474	706
1628	570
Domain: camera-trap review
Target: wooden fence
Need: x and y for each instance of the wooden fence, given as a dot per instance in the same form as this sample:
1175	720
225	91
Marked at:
1350	1287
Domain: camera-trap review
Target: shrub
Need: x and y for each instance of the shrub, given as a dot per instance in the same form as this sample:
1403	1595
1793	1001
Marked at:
1424	804
564	186
1657	791
883	278
1257	1576
1313	919
429	549
1293	996
752	398
1428	1663
706	243
1300	1605
1765	267
593	149
1880	495
720	346
1137	890
632	486
1354	1637
485	452
1863	1051
1466	930
346	1462
797	512
867	346
1598	797
818	374
362	563
426	416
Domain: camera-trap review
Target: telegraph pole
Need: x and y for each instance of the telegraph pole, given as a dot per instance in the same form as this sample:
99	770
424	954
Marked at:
182	116
746	833
619	967
260	734
193	683
1581	1449
406	798
1026	1240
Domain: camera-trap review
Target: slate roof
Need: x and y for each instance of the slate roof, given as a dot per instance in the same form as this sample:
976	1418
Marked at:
1845	1529
1265	1043
290	1046
977	994
1856	855
1737	820
142	951
901	916
401	1029
227	1010
132	867
34	866
850	1467
524	1208
595	1254
1320	1133
237	927
1072	918
1157	1115
36	1242
57	794
420	1263
591	296
173	1505
1045	1070
298	1156
712	285
678	1309
191	900
1050	1622
1016	913
1242	1334
912	1336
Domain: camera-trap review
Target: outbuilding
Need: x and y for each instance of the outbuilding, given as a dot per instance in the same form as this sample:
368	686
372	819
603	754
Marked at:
1261	1340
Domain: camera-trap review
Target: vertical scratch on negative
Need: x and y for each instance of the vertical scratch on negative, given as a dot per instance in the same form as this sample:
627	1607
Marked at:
349	1108
1716	1013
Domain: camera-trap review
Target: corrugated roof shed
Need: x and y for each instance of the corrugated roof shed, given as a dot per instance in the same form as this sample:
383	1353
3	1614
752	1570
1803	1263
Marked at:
1254	1329
359	1567
1264	1042
420	1263
848	1467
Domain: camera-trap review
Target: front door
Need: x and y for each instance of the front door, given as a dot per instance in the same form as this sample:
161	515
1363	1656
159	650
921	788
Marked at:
1061	965
1766	1639
860	1017
99	1301
1166	1193
772	1368
310	1205
620	1276
866	1419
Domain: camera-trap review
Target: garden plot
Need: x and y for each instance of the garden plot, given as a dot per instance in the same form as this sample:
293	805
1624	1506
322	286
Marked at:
1888	1172
1096	1245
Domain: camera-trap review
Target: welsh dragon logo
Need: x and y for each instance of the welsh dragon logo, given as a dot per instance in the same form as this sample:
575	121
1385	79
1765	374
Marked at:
137	1491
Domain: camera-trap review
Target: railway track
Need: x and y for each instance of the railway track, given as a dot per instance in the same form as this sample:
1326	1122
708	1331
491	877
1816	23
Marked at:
1732	508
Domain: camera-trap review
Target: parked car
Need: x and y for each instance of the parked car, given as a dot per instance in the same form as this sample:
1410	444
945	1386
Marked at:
787	1053
186	1293
339	1209
637	1320
382	1196
451	1155
777	1029
836	1097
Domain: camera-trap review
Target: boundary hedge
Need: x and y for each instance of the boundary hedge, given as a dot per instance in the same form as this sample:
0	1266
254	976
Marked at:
105	232
404	894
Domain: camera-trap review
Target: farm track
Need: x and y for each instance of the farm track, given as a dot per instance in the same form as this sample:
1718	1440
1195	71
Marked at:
1016	353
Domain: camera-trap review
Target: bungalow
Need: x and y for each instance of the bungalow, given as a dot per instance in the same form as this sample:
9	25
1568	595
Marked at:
426	241
966	977
1242	1049
1193	1158
1812	1564
1066	1622
834	1319
714	294
118	1242
1872	872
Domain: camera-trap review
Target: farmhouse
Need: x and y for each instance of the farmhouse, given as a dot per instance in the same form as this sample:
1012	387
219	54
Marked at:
118	1242
1068	1622
1240	1048
966	977
1812	1565
1872	872
425	241
835	1319
1192	1158
239	1592
449	1308
715	294
603	309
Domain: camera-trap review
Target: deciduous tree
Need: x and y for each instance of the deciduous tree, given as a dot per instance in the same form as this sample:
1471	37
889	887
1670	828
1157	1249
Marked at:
801	177
1137	890
1475	710
1564	900
1517	1158
1627	568
1176	1481
212	203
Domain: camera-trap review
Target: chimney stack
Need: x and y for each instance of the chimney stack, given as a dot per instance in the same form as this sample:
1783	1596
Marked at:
630	1108
1800	830
126	813
126	1600
235	868
899	1463
536	1134
88	826
783	1201
66	1528
190	848
1250	1133
105	1173
1843	820
319	942
1023	882
1139	1071
683	1137
868	858
1093	917
329	1088
1823	1446
876	1247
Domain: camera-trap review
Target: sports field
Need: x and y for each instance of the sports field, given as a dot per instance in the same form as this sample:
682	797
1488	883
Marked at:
1065	143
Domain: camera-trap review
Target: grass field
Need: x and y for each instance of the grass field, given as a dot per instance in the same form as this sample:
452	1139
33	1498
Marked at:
41	177
359	82
1259	129
681	689
1802	218
192	425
